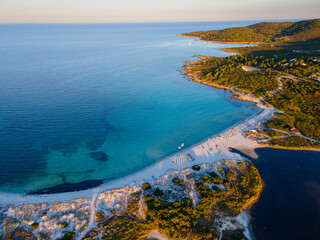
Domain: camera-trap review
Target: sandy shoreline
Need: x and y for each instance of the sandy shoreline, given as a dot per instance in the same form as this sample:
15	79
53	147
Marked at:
209	150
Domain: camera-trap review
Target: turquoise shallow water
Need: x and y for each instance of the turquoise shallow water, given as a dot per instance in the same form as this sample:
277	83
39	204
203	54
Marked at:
67	91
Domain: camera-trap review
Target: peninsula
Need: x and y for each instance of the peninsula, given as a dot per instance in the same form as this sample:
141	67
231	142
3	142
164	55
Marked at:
283	73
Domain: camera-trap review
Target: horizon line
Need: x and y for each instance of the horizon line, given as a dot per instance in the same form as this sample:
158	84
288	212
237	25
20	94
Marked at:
242	20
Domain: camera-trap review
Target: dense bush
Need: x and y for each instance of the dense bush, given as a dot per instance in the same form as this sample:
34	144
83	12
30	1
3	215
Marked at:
294	142
175	180
180	219
182	183
99	216
196	167
34	226
207	179
69	236
158	192
64	225
146	186
228	72
217	180
134	195
278	124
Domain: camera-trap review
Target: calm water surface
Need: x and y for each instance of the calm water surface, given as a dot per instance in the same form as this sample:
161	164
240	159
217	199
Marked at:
289	207
69	91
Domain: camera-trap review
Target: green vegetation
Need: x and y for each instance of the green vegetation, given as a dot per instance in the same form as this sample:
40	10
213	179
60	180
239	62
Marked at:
146	186
207	179
181	219
217	180
43	214
196	167
182	183
64	225
299	96
240	164
263	32
124	227
272	133
175	180
34	226
294	142
228	72
99	216
278	124
301	101
134	195
69	236
158	192
113	211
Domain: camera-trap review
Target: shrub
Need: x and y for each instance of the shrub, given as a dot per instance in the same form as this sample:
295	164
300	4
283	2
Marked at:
177	204
149	198
44	214
158	192
215	188
213	174
34	226
146	186
64	225
240	164
175	180
134	195
100	216
186	202
158	203
207	179
113	211
182	183
69	236
230	175
277	124
218	180
196	167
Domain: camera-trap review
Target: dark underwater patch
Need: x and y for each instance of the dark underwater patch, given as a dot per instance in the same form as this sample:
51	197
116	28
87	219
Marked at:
69	187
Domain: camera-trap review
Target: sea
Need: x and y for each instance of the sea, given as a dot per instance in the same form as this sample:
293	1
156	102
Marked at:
82	104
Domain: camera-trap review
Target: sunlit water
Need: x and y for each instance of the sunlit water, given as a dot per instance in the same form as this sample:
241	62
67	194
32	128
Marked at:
67	91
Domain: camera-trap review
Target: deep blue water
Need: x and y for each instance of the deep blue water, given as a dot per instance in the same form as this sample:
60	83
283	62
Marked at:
289	207
67	90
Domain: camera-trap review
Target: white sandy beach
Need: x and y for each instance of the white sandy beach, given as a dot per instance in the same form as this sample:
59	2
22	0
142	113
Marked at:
210	150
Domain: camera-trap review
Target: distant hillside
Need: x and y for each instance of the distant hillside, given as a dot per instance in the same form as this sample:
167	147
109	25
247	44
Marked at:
263	32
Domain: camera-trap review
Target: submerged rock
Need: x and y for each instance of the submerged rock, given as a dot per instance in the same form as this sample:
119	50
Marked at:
100	156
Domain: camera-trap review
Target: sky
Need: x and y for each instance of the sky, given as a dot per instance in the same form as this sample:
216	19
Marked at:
98	11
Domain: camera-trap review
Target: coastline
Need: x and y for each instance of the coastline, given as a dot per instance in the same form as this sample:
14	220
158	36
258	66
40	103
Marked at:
201	152
198	39
211	150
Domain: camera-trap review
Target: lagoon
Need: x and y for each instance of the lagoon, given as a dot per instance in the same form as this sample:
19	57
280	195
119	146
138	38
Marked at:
289	205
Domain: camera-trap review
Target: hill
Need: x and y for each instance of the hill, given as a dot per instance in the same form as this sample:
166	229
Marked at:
263	32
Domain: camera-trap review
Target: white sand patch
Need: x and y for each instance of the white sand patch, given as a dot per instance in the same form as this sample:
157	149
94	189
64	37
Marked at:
154	234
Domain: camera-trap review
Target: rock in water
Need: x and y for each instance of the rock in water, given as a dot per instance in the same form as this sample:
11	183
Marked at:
100	156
